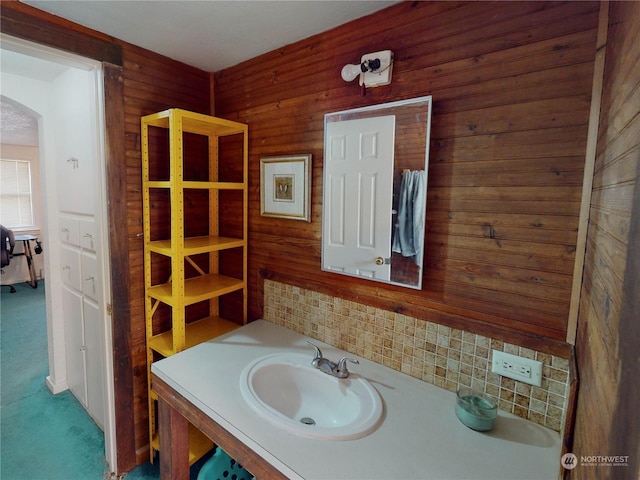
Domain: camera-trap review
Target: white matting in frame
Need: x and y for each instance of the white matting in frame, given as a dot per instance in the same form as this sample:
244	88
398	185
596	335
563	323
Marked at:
285	187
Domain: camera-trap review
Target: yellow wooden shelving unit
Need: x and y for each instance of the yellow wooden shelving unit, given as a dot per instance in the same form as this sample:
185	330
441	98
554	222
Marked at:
181	270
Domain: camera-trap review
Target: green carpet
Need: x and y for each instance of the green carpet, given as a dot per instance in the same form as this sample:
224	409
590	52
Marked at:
44	436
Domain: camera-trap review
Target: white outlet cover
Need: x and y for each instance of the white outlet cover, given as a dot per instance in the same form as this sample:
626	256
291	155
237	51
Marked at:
514	363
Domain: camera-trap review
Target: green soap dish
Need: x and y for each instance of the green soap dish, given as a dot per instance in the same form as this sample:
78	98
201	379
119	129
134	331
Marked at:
476	410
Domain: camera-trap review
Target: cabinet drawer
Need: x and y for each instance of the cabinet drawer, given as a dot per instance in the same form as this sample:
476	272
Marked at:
69	231
88	234
70	264
91	280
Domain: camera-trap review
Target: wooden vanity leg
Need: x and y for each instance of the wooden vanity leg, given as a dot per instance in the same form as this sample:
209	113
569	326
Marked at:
173	429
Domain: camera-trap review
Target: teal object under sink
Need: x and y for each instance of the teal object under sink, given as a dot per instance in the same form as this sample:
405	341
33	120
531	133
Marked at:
222	467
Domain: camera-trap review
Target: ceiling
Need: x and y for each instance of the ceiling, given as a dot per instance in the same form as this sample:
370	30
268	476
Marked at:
19	126
211	34
207	34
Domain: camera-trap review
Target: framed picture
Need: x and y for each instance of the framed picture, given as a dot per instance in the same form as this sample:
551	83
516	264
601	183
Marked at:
285	187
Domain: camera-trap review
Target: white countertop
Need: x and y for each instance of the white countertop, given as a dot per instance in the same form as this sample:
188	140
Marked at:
420	436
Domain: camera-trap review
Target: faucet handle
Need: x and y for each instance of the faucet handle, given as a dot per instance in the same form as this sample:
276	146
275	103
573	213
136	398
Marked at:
341	370
318	354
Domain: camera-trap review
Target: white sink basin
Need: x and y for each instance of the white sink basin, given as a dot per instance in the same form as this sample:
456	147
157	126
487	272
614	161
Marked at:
286	390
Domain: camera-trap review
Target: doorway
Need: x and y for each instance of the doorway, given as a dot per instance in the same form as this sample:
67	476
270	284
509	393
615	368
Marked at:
65	93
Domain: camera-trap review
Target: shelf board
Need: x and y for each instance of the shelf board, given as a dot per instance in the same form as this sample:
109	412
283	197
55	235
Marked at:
195	245
198	289
214	185
195	333
157	184
199	444
193	184
196	122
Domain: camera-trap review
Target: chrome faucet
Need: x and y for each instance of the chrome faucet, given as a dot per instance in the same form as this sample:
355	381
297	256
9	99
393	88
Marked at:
339	370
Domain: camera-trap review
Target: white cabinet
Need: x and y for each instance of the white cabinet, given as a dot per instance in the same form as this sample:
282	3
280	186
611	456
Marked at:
94	371
91	280
69	230
71	268
88	234
76	154
74	335
82	300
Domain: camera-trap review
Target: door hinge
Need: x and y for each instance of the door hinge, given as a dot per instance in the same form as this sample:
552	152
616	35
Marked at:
109	309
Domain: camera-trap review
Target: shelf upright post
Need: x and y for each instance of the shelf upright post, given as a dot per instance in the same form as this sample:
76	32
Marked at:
146	234
214	205
245	220
176	185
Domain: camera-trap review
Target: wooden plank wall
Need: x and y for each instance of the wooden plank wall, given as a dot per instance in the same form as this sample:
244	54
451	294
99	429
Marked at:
608	343
152	83
511	84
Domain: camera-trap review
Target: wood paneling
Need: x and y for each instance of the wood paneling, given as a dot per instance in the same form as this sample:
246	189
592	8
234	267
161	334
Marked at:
511	85
22	21
607	345
115	159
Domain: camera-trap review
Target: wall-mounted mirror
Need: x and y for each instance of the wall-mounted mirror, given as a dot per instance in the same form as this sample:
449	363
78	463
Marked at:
375	191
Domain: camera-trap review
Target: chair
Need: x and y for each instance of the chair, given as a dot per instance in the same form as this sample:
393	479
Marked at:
7	242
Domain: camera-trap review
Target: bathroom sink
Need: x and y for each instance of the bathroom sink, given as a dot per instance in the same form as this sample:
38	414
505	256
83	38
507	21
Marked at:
286	390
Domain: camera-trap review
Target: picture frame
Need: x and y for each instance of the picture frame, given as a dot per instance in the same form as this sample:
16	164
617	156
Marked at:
285	187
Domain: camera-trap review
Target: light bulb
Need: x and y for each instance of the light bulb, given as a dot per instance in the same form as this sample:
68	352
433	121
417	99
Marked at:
350	72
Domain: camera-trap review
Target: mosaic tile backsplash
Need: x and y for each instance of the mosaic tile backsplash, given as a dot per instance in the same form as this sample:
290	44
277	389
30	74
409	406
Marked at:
437	354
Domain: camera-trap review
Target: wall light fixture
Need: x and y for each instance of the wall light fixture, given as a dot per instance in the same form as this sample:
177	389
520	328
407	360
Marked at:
374	69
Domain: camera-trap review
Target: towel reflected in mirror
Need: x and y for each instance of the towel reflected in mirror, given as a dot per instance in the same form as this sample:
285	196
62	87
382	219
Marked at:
408	238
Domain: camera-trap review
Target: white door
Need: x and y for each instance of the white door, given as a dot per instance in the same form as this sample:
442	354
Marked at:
358	183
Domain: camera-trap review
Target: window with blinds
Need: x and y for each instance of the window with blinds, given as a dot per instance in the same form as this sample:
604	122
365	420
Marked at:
16	194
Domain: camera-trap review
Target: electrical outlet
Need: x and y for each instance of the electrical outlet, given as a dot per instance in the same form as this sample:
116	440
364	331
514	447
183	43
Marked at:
518	368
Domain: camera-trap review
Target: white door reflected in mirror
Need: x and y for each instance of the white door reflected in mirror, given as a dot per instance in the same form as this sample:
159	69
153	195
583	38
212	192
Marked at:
359	177
375	186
